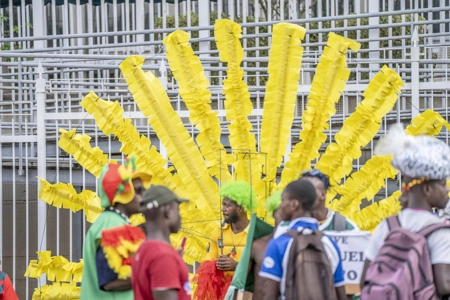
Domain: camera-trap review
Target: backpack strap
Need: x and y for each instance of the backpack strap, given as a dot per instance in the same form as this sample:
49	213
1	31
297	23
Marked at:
393	223
432	228
339	222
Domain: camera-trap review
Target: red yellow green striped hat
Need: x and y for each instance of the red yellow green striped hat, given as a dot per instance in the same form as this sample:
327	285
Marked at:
115	182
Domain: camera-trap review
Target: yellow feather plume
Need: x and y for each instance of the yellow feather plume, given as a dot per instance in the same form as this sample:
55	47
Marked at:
64	195
365	183
369	217
57	268
328	83
237	99
362	125
92	159
429	122
150	160
281	93
151	98
237	107
153	101
56	291
107	114
193	85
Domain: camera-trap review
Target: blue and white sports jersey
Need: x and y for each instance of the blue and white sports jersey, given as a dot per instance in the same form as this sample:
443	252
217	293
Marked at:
275	261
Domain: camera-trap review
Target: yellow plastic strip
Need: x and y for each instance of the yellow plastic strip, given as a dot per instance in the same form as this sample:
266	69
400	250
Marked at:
361	126
327	86
92	159
193	85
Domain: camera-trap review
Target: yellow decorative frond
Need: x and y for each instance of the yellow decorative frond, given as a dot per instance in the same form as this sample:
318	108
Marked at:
365	183
153	101
369	217
361	126
77	145
150	160
281	93
107	114
429	122
57	268
328	83
237	107
193	85
76	269
57	291
64	195
237	99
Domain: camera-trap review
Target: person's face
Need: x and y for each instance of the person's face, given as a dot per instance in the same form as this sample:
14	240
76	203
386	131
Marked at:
436	192
134	206
276	216
174	218
230	211
320	192
287	207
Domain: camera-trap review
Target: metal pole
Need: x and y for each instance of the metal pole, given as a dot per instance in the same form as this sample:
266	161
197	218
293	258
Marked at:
293	10
374	46
204	20
42	167
163	79
415	56
140	23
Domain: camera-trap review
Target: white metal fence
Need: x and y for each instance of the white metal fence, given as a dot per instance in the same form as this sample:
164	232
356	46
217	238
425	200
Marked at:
80	45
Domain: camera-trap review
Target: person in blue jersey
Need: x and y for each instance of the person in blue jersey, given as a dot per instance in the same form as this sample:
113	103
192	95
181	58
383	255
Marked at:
297	202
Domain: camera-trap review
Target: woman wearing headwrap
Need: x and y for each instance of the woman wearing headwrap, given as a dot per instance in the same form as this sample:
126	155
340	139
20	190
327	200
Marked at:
120	191
424	162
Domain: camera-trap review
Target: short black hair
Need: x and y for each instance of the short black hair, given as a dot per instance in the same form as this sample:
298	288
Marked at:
303	191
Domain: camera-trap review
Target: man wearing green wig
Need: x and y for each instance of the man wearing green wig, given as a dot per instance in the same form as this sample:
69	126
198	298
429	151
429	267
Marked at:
120	190
237	199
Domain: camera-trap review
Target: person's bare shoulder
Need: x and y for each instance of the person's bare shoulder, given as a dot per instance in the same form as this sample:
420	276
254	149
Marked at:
260	244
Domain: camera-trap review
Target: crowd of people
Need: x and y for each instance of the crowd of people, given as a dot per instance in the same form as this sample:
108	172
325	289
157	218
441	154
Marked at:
408	256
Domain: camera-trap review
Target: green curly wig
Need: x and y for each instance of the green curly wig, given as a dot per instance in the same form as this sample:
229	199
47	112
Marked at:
241	193
273	202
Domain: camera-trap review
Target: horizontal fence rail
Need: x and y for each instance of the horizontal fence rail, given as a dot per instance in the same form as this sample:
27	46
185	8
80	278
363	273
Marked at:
53	55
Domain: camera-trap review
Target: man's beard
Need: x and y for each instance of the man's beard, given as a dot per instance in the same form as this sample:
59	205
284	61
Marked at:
232	218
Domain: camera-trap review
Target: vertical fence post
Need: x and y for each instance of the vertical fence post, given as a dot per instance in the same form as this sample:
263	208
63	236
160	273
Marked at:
293	15
204	20
415	56
163	79
374	34
42	161
140	24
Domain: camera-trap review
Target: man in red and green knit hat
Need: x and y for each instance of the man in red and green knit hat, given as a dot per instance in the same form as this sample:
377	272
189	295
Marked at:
120	190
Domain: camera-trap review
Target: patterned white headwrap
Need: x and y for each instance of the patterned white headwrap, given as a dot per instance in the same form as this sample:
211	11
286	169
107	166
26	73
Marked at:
416	157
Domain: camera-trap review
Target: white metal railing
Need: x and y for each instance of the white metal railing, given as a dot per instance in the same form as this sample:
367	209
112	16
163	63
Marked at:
81	45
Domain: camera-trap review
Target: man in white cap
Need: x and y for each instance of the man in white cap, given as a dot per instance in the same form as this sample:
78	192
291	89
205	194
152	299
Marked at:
425	165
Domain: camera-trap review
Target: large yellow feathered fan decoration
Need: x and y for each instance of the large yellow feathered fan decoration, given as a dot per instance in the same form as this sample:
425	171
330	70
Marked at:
200	165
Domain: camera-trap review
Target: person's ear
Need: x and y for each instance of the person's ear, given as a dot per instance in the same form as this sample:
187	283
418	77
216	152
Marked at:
294	204
166	211
427	189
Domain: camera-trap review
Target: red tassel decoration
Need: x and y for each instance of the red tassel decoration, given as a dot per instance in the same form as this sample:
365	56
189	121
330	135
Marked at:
210	281
226	286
